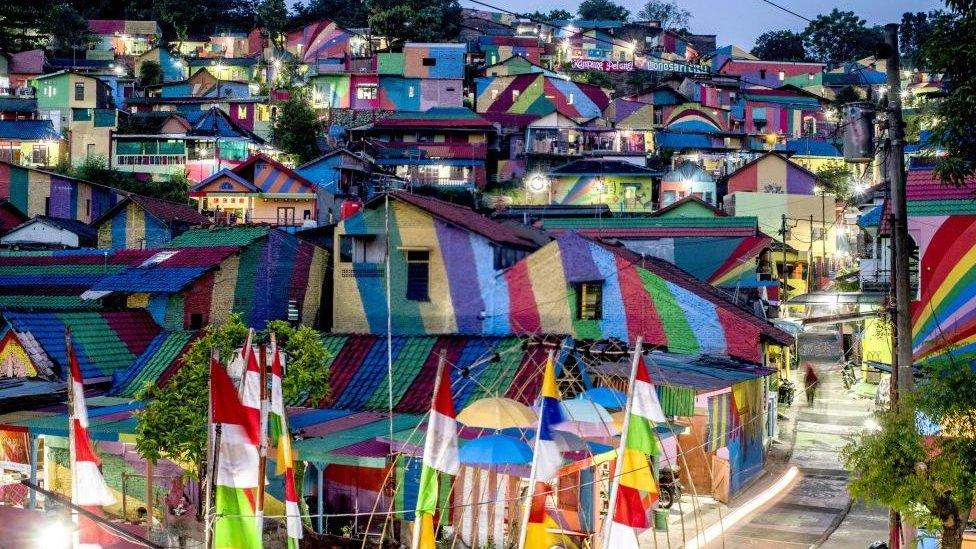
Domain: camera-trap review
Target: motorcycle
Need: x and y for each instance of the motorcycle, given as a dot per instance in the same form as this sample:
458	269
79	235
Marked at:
670	487
849	375
786	392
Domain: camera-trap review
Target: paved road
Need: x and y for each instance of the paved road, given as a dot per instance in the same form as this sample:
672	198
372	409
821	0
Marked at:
817	503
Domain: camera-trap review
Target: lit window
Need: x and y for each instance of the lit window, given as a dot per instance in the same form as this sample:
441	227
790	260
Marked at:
570	99
242	112
418	275
410	91
515	95
782	75
494	95
368	92
589	300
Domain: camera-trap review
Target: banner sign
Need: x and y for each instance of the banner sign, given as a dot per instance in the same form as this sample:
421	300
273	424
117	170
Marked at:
605	66
666	66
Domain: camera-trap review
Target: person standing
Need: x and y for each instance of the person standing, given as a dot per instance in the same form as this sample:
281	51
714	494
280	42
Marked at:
810	381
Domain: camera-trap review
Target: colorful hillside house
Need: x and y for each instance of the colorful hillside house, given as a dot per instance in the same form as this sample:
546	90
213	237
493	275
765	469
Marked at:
43	231
621	186
204	275
771	74
123	38
443	147
539	95
422	77
142	222
445	263
343	180
37	192
687	179
196	143
690	206
32	143
173	68
784	112
82	109
260	190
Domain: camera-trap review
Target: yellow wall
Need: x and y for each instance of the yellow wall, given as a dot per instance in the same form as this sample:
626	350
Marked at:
84	133
90	92
876	343
770	207
266	210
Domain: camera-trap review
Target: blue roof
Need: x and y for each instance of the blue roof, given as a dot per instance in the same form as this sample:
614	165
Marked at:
215	122
871	218
150	280
28	130
811	147
674	140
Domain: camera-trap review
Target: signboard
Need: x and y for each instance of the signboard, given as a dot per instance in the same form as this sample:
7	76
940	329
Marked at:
668	66
605	66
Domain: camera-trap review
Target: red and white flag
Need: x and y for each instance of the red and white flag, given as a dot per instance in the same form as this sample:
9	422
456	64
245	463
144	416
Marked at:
88	488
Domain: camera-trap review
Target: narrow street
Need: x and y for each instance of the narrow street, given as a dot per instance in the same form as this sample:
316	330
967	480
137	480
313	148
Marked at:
817	511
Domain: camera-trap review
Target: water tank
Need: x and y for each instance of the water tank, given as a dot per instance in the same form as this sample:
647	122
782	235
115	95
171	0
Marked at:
858	124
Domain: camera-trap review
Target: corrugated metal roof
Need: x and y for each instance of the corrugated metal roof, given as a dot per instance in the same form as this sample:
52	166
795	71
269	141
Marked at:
28	130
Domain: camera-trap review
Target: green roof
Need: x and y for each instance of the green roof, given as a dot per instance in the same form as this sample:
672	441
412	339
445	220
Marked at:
148	368
319	450
941	207
58	302
647	222
220	236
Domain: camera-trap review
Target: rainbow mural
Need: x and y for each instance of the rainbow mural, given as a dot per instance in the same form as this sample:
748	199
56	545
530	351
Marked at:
319	40
692	117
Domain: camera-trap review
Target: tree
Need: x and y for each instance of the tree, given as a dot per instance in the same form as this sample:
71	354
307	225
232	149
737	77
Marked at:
296	127
781	45
929	478
840	37
150	73
68	28
416	20
20	25
946	53
272	17
173	424
95	169
836	179
669	13
350	14
550	17
602	10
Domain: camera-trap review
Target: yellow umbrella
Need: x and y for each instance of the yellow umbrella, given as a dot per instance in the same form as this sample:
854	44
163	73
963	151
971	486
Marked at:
497	413
618	420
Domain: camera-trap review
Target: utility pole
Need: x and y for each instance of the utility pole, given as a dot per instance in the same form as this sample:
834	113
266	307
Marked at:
784	273
896	174
902	377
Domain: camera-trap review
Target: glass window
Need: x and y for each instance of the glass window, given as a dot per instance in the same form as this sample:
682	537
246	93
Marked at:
589	300
428	61
418	275
79	91
367	92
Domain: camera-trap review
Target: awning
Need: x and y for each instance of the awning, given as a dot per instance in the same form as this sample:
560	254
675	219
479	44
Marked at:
838	298
701	373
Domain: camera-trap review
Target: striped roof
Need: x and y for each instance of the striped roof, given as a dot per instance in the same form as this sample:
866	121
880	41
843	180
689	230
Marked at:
166	271
440	117
106	342
654	227
219	236
482	367
161	359
260	173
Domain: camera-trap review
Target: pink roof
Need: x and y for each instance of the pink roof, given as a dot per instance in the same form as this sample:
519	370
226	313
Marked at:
106	26
925	185
27	62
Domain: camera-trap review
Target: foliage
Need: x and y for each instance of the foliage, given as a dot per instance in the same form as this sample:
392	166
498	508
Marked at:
174	420
840	37
781	45
602	10
850	94
296	127
934	479
68	28
668	12
272	17
416	20
179	18
597	78
150	73
551	16
913	32
96	170
946	53
19	24
836	179
349	14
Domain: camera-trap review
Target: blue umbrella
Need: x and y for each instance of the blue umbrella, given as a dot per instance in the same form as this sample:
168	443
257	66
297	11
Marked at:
611	399
495	450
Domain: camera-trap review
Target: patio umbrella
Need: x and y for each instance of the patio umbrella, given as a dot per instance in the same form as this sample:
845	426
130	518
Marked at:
586	419
566	442
611	399
495	450
497	413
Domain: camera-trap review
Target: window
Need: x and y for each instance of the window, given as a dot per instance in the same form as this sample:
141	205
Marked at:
368	92
418	275
782	75
668	198
196	321
506	257
410	91
294	314
39	155
428	61
90	150
570	98
515	95
494	95
365	248
307	214
762	74
47	205
88	207
79	91
589	300
242	112
286	215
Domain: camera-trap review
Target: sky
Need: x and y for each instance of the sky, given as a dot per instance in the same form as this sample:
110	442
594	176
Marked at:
741	21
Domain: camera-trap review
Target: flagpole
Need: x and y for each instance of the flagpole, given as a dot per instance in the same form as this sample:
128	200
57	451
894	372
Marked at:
72	453
615	479
415	544
211	456
527	508
263	448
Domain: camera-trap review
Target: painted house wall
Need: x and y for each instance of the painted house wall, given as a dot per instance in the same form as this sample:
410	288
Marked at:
540	95
42	193
772	174
40	232
767	73
672	191
318	40
132	228
419	94
90	133
330	90
422	60
619	193
770	207
363	81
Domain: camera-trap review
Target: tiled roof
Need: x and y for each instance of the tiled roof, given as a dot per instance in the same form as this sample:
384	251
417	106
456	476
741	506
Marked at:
926	185
601	167
28	130
24	105
453	117
670	272
51	302
466	218
168	211
216	123
690	198
177	269
55	275
155	365
482	366
677	140
812	147
219	236
106	342
654	227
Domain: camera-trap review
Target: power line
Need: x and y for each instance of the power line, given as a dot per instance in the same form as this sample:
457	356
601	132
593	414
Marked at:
789	11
